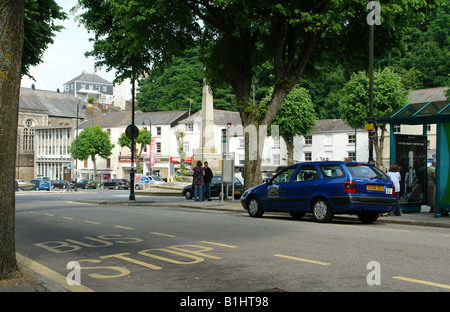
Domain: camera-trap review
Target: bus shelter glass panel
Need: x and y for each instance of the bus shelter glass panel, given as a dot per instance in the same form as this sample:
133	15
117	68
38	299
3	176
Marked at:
411	155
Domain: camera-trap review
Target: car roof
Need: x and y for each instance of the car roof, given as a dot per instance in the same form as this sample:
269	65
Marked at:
328	162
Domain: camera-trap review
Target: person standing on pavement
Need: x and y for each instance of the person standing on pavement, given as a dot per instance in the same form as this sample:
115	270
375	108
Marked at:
394	175
431	186
207	179
198	181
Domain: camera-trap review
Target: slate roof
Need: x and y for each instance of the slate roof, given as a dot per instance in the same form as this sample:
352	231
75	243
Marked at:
427	95
123	119
56	104
331	126
89	77
221	117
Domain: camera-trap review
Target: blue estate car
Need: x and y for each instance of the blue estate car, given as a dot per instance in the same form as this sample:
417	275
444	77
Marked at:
324	189
40	184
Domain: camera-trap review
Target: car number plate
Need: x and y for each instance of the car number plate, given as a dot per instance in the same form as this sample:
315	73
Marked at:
371	187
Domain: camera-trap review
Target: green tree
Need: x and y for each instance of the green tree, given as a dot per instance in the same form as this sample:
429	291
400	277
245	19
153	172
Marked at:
174	86
20	21
92	142
423	60
238	37
295	117
144	138
389	95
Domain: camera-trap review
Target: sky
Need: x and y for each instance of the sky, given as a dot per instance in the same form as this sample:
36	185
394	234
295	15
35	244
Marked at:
64	59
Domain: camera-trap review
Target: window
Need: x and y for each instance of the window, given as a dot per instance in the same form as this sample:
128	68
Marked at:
283	176
158	130
186	147
308	139
276	159
331	171
28	136
108	163
105	88
241	143
308	156
397	128
305	173
189	127
158	147
328	139
351	156
351	139
276	142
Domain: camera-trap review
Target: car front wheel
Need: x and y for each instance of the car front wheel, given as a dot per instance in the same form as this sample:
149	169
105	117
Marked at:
102	187
188	195
254	207
321	211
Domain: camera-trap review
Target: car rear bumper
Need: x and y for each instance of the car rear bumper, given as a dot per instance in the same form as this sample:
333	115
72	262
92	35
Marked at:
363	203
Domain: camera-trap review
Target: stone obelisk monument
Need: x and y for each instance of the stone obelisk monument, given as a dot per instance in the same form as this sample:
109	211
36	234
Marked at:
207	150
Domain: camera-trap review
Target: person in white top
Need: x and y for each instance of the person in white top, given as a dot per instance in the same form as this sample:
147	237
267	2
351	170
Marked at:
394	175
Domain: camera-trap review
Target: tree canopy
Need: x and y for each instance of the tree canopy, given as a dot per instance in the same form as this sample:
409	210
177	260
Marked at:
92	142
237	37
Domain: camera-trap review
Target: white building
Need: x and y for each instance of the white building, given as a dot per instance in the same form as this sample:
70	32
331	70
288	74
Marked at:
332	139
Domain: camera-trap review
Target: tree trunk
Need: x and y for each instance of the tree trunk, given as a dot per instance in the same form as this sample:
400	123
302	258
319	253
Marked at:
11	46
378	144
289	140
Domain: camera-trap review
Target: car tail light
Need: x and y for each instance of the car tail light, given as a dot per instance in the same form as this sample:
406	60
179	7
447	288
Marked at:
350	186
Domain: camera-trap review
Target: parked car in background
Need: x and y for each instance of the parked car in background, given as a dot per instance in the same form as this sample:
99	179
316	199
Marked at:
60	184
115	184
216	183
140	180
324	189
40	184
86	183
24	186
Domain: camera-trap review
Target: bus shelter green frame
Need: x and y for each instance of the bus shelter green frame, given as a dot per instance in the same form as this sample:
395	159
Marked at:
434	112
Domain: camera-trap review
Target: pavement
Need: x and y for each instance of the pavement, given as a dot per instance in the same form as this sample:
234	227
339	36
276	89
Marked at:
31	281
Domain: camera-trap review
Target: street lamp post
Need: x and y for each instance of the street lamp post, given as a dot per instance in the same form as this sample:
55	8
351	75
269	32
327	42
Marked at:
76	145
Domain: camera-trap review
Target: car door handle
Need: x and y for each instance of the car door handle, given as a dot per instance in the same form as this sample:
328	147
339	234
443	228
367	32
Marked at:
309	186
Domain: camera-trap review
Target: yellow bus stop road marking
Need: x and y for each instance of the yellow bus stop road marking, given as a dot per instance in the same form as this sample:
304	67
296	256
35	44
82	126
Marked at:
123	227
421	282
162	234
301	259
43	270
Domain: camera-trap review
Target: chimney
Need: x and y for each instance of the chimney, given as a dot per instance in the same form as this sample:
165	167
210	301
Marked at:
33	87
105	108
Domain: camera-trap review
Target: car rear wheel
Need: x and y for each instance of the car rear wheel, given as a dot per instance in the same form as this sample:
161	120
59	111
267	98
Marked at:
254	207
188	195
321	211
137	187
102	187
116	187
367	216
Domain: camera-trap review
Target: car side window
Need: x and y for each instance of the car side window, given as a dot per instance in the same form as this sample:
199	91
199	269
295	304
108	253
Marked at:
305	173
283	176
332	171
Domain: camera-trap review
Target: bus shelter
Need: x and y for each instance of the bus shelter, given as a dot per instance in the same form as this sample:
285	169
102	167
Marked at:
411	150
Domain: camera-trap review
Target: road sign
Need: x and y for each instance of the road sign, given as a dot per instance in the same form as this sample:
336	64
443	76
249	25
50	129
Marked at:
132	132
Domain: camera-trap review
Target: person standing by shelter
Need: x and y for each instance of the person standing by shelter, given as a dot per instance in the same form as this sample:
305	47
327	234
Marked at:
394	175
431	186
207	179
198	181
